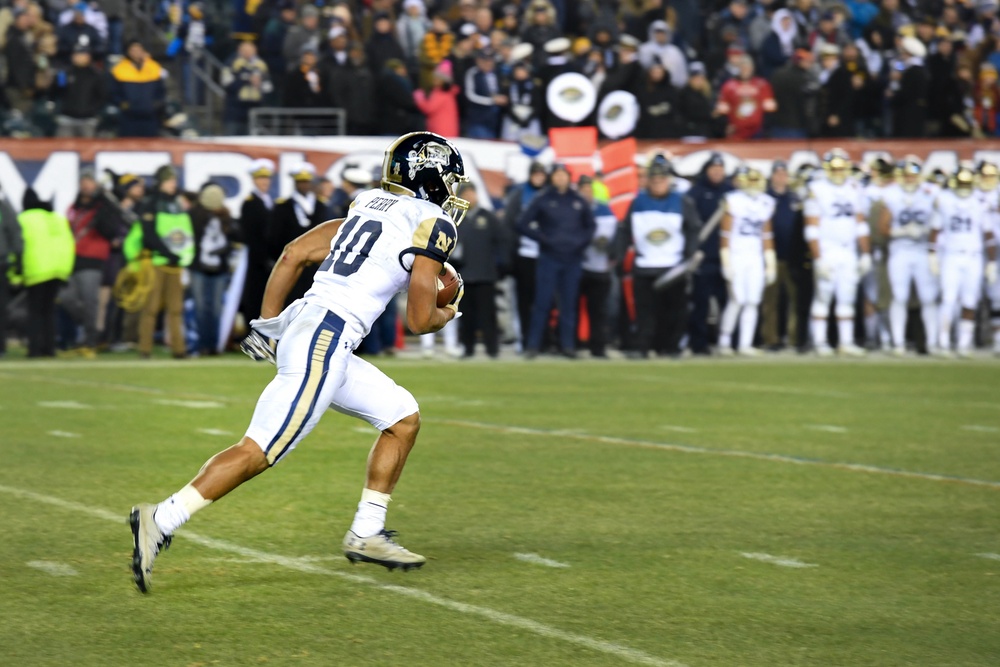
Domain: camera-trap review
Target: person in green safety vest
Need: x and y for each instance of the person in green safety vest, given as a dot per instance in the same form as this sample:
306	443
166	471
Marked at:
46	263
168	235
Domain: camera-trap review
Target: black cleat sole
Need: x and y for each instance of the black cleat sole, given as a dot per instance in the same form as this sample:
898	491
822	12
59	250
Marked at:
356	558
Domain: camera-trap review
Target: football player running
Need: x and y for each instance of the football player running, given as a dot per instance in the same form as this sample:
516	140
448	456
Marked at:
747	255
960	233
395	238
906	219
837	234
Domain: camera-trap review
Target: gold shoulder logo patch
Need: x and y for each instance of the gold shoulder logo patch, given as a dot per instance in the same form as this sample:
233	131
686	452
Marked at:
443	242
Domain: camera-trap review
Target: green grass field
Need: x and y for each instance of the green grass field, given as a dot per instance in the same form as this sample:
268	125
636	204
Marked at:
782	512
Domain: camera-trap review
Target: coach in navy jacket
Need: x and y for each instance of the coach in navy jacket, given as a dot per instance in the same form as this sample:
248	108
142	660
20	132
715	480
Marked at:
562	223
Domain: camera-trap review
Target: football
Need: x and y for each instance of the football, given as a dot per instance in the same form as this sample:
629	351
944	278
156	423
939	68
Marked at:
447	285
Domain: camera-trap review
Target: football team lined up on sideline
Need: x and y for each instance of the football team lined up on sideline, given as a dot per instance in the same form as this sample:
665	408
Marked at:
880	228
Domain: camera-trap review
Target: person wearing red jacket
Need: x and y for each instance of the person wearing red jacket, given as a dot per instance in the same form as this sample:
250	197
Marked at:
744	100
94	224
440	103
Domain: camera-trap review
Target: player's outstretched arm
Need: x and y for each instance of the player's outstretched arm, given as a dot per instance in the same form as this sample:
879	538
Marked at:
422	313
310	248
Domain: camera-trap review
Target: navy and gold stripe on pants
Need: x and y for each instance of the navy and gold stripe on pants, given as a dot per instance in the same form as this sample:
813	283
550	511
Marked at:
323	341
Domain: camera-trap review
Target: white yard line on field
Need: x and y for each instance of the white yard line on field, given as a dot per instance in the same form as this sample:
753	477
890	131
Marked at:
677	429
62	434
981	429
535	559
65	405
989	556
736	453
193	405
826	428
777	560
53	568
613	649
213	431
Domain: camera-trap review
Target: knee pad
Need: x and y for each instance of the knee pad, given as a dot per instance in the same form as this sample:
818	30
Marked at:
820	310
845	312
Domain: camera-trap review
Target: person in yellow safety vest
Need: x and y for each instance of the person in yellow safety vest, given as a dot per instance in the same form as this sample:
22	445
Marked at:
167	233
47	262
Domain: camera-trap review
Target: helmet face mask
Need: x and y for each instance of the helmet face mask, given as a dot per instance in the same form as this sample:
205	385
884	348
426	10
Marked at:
750	180
988	176
910	169
429	167
837	165
963	182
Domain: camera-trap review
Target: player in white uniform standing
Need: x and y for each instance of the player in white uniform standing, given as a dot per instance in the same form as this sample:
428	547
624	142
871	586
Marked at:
960	234
395	238
747	254
837	234
989	190
906	219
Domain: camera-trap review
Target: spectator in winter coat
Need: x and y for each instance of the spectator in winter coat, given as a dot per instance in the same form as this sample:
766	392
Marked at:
400	113
435	47
334	65
410	30
82	93
658	48
79	33
306	32
540	27
303	87
21	69
272	40
214	234
483	100
139	92
694	105
521	115
382	44
440	103
355	90
795	87
909	101
780	44
247	82
744	101
657	106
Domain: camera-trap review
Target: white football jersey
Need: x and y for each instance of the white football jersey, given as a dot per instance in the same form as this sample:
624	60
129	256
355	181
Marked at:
961	222
749	214
910	208
837	207
372	254
992	200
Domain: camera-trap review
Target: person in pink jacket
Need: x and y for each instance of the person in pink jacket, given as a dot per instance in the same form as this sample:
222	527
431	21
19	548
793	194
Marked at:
440	103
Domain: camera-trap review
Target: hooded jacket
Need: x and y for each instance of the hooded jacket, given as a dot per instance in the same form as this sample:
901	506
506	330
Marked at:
670	56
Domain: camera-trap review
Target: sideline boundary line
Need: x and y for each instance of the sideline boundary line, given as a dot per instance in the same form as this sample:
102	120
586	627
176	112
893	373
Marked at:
305	565
735	453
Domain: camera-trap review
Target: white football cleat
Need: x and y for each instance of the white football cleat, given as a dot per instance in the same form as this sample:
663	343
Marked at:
824	351
851	350
899	352
725	351
380	549
147	542
749	352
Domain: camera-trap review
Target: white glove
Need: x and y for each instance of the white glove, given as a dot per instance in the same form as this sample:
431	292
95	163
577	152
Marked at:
258	347
823	269
727	265
934	264
991	272
864	264
770	267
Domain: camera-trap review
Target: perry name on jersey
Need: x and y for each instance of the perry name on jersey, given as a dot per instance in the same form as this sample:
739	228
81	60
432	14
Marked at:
749	214
372	254
837	207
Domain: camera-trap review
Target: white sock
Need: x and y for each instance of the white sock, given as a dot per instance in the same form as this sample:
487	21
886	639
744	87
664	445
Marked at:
450	332
930	317
729	317
897	322
748	326
819	332
871	328
427	342
966	329
945	331
370	517
846	330
176	510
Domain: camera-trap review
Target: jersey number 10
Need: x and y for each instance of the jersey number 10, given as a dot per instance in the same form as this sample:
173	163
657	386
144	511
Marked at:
346	258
